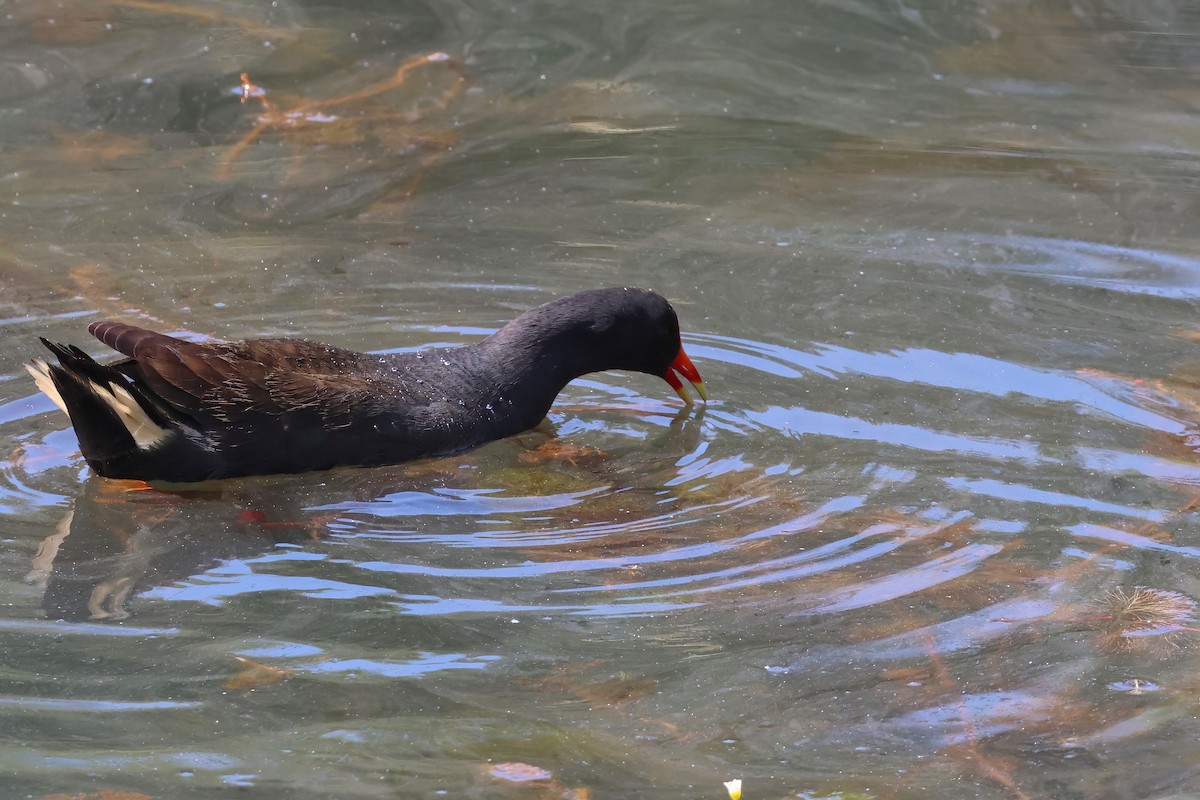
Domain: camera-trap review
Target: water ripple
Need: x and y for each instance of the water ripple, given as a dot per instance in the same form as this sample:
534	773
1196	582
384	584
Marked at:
730	514
92	706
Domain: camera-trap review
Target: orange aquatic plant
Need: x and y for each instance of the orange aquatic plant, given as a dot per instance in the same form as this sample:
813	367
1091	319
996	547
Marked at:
313	113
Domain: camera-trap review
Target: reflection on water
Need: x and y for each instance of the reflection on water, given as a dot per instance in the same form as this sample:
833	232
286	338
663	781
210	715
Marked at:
934	531
561	567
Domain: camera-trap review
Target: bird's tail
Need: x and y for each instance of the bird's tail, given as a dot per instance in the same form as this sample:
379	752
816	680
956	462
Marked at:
111	415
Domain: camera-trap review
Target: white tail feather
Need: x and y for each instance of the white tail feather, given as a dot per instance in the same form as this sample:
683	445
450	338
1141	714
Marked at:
40	371
145	432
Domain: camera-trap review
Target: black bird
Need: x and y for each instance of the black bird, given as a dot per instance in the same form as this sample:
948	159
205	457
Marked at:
181	411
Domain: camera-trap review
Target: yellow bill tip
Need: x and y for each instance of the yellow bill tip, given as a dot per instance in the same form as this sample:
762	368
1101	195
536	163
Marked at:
682	369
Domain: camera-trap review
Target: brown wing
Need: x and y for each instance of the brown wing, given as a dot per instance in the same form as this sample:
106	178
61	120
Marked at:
225	381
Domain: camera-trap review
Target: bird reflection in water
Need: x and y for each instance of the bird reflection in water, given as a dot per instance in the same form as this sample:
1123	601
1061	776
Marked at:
125	536
122	538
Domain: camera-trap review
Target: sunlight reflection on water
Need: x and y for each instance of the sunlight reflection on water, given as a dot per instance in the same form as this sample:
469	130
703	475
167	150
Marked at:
938	270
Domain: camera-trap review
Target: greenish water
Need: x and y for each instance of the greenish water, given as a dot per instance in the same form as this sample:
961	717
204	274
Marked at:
936	262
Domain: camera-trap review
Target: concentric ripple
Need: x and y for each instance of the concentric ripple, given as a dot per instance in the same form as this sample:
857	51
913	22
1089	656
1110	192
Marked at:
636	508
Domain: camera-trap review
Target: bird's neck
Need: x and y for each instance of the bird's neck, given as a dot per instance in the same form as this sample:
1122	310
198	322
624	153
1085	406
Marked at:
525	375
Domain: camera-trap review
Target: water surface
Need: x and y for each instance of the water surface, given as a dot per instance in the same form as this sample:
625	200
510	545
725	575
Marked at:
936	263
